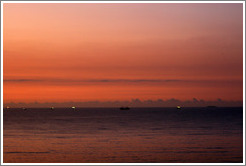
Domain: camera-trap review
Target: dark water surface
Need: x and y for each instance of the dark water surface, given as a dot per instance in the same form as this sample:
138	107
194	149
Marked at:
110	135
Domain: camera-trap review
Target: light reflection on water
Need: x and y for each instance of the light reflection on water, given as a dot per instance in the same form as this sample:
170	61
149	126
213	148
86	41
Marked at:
110	135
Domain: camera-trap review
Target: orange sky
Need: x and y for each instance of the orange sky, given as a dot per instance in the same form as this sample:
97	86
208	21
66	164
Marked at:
83	52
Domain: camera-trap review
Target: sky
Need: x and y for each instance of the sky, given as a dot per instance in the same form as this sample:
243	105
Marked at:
108	52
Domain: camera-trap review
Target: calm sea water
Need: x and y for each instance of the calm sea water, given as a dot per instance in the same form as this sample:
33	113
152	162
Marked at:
110	135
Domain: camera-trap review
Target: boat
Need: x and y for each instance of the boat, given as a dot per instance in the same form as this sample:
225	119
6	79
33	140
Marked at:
211	106
124	108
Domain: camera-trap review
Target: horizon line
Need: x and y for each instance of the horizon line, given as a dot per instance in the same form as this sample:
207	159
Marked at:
130	100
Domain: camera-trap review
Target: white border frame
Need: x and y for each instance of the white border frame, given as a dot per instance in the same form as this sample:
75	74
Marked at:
3	2
122	2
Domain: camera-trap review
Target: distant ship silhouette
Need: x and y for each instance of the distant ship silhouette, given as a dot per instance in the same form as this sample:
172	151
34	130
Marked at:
124	108
211	106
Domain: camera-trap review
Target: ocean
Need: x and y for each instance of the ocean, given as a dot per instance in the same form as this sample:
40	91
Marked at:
111	135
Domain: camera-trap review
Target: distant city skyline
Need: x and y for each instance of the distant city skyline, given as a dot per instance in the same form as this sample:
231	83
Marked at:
132	103
60	53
